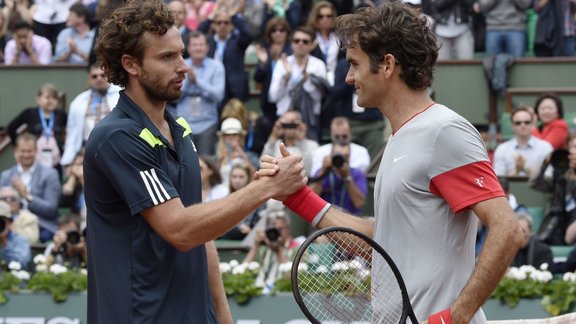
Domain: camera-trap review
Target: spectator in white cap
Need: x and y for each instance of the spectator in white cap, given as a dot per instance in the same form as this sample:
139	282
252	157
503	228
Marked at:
13	246
24	222
230	149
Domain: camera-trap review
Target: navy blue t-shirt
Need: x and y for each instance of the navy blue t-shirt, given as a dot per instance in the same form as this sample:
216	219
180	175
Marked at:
134	275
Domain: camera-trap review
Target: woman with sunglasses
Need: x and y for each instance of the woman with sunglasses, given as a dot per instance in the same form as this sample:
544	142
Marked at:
321	20
277	44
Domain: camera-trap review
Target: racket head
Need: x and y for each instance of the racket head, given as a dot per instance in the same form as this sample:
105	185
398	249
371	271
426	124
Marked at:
332	280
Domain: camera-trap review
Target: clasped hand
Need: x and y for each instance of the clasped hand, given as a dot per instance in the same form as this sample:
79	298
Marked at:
285	173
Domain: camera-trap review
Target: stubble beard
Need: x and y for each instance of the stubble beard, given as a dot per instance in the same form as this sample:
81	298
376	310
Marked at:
154	91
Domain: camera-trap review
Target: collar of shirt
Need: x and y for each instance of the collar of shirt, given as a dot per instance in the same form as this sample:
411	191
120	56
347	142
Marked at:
128	107
530	143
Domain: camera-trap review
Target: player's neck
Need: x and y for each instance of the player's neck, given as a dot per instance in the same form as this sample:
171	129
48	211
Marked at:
399	109
152	108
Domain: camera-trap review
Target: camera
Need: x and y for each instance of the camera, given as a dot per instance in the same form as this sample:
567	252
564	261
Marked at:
73	237
2	224
272	234
289	125
338	160
559	159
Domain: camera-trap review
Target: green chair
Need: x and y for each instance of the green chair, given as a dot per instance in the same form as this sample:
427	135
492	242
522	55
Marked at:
506	126
537	214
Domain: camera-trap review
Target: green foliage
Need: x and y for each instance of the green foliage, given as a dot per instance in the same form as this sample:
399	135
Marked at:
559	297
8	283
58	285
241	287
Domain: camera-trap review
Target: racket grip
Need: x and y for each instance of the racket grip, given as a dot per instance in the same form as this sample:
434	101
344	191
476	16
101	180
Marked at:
308	205
443	317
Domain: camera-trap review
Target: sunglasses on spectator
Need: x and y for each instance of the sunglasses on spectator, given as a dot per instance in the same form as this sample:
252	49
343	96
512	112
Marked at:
222	22
520	122
96	76
279	30
9	199
325	16
341	137
300	40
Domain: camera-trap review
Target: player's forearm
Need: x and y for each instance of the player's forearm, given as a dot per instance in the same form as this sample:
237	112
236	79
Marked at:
216	286
501	245
336	217
198	224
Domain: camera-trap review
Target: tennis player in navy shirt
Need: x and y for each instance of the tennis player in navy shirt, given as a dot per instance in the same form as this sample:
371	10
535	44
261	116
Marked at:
150	250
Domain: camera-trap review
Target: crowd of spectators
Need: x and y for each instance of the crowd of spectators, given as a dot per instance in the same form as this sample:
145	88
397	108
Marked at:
304	102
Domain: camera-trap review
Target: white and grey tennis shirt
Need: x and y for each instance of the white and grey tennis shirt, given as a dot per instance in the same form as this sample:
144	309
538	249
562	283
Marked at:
433	169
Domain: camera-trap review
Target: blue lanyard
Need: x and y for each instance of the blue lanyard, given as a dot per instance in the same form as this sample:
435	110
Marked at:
332	191
325	46
96	100
46	126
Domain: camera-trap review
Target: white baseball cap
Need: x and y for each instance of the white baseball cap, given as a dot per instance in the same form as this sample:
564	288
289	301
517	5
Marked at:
231	126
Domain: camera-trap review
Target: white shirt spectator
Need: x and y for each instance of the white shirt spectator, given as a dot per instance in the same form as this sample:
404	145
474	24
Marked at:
534	153
359	157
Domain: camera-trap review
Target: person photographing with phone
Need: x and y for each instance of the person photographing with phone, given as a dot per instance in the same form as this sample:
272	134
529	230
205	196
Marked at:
291	130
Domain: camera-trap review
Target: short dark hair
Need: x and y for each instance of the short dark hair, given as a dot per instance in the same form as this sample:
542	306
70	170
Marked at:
197	34
306	30
393	28
82	11
25	137
555	98
122	33
20	24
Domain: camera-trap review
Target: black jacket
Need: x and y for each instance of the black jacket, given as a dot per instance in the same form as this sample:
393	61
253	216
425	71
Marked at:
441	10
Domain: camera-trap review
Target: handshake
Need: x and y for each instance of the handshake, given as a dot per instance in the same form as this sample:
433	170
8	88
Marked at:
286	180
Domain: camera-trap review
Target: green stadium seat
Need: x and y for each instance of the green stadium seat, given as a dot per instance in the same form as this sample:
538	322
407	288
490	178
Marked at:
561	252
506	126
537	214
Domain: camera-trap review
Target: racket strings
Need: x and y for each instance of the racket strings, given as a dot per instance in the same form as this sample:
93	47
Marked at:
339	282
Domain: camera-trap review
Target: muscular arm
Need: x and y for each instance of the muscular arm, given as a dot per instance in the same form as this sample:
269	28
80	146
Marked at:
504	239
188	227
216	286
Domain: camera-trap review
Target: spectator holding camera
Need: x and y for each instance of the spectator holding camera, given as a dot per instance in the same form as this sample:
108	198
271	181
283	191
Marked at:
341	133
272	246
13	246
338	183
67	246
291	130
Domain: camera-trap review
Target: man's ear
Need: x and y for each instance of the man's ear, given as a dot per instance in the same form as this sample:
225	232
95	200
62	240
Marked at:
388	64
129	64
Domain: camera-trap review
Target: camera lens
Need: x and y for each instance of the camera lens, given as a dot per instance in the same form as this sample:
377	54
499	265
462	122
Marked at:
272	234
289	125
73	237
2	224
337	160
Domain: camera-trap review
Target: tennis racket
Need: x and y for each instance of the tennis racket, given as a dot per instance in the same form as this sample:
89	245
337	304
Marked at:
340	275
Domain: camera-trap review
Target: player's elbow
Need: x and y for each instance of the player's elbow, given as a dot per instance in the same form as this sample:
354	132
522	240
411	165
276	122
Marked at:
182	242
516	237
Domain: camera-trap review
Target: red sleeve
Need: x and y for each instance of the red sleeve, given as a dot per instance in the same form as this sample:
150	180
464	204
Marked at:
466	185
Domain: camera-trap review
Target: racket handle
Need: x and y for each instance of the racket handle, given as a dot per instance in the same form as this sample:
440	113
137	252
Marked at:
308	205
443	317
